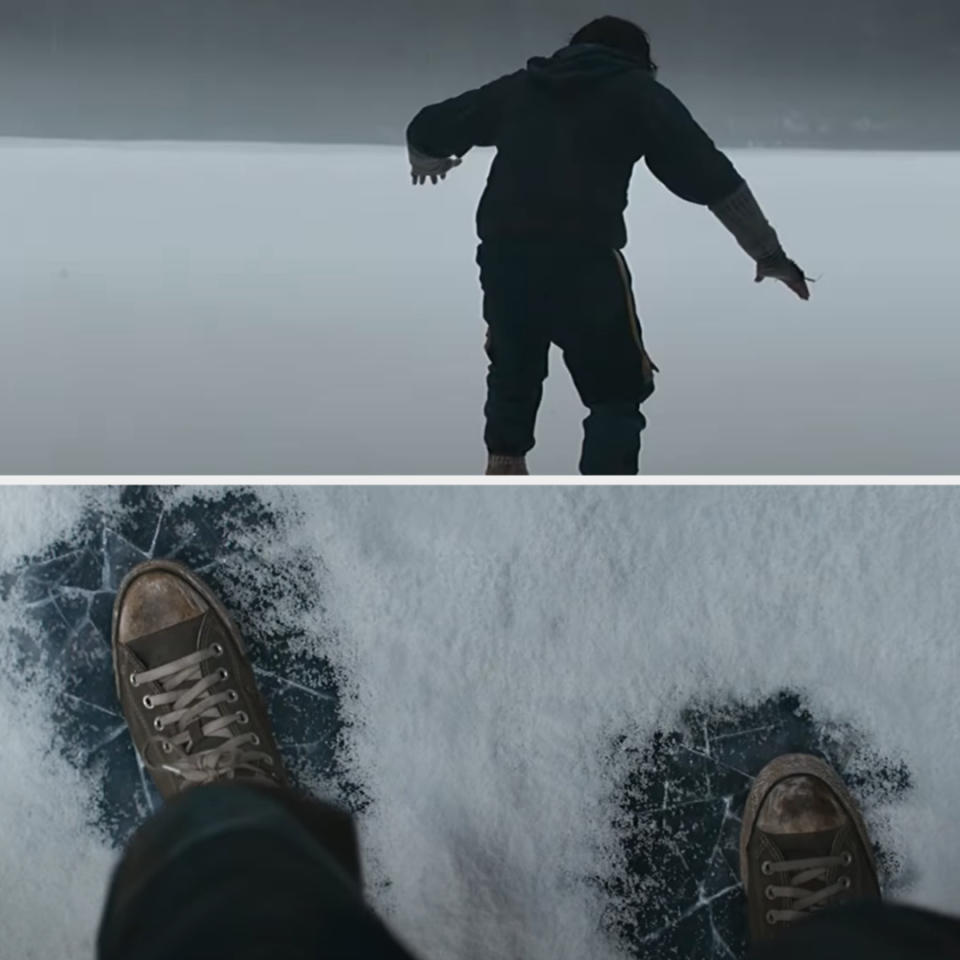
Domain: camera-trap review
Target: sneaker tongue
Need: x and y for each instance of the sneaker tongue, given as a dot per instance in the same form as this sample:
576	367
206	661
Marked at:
178	641
171	643
803	846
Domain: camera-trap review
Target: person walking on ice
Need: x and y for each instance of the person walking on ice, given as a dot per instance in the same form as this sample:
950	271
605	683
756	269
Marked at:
568	131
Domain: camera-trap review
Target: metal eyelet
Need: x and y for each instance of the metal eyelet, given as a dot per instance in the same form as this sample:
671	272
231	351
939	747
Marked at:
242	717
166	746
133	680
769	894
766	868
771	918
254	739
232	696
847	858
158	723
217	649
269	761
224	674
845	883
148	702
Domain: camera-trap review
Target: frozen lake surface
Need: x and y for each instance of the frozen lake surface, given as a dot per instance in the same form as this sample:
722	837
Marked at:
551	701
268	310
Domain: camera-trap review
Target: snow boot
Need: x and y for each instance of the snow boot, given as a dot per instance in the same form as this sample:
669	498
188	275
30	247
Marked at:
185	684
803	845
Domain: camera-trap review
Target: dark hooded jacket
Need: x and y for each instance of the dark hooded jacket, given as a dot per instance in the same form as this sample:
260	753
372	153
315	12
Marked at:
568	130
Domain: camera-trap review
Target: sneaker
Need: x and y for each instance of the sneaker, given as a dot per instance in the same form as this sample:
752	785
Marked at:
500	466
185	684
803	845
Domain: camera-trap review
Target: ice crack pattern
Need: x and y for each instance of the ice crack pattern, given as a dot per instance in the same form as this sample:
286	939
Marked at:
237	544
674	890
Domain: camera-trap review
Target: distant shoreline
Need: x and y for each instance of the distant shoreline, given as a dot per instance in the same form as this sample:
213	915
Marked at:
15	140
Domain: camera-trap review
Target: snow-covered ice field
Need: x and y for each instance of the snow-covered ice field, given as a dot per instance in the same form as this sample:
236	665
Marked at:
491	645
257	309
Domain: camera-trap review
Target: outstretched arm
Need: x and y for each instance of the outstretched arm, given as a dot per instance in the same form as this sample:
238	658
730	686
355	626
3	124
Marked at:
453	127
741	215
684	158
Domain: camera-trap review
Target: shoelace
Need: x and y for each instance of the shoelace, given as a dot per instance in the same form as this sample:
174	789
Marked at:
805	871
198	701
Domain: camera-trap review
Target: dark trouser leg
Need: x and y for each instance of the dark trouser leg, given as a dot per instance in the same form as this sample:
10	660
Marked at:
515	378
245	872
517	347
603	349
611	439
869	930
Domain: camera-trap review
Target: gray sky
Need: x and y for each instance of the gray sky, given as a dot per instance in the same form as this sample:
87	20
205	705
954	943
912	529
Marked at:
856	73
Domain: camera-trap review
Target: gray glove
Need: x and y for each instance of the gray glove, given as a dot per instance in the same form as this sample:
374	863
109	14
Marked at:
781	267
436	168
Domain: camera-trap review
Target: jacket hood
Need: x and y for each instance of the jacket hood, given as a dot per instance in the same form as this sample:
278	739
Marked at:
580	65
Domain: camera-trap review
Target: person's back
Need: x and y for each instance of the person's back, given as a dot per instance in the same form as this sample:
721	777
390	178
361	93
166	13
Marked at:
565	149
571	130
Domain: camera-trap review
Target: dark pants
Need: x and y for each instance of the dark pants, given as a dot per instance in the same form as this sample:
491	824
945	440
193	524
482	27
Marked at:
242	872
580	299
256	874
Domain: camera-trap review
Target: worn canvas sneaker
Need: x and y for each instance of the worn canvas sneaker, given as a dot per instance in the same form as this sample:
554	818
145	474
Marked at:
501	466
803	845
185	684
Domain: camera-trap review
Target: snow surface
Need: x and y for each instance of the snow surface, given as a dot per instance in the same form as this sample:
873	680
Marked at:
255	309
497	638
